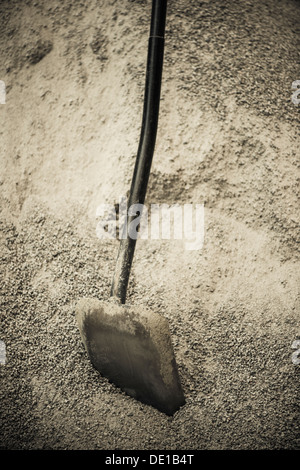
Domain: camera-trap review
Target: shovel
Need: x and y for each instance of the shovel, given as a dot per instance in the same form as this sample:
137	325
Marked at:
131	345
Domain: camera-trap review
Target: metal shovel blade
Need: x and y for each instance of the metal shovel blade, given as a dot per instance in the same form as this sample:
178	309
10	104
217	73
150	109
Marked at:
131	346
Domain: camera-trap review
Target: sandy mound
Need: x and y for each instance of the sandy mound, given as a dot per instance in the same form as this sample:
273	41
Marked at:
228	138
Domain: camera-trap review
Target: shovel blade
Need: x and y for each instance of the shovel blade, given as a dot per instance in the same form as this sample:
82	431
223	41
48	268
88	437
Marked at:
131	346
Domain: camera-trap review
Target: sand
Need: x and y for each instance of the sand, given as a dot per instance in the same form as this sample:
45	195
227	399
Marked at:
228	138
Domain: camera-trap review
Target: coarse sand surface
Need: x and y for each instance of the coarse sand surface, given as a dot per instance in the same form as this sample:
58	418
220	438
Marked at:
228	138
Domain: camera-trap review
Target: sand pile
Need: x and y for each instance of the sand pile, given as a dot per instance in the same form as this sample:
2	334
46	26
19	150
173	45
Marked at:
228	137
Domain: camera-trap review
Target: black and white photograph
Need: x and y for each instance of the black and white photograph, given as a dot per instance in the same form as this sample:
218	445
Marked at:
149	228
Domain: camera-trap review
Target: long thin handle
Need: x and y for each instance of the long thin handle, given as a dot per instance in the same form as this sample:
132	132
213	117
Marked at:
146	145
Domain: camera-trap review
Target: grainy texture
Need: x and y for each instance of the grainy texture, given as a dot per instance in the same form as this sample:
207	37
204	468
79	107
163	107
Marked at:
228	137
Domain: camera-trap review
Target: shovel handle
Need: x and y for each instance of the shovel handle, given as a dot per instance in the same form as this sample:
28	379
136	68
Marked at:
146	145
